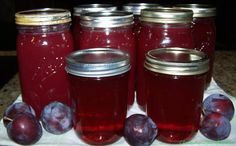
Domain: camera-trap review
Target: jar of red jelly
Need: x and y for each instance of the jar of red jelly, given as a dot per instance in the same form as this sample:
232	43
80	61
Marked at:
175	81
99	87
204	30
43	40
161	28
110	30
136	8
78	10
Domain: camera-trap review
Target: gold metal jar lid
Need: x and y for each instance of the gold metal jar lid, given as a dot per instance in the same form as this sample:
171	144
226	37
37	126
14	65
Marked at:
176	61
45	16
199	10
106	19
136	8
166	15
93	8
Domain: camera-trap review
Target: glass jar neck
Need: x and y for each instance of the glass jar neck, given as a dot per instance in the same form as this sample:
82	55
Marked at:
43	28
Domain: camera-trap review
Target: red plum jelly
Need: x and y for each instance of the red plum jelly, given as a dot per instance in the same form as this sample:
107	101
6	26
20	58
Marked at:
175	80
110	30
161	28
43	41
204	31
84	8
99	87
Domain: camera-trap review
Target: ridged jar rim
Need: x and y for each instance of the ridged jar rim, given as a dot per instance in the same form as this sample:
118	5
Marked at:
86	63
193	61
45	16
199	10
106	19
136	8
166	15
93	8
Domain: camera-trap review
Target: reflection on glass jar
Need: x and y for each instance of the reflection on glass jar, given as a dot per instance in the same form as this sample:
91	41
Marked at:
110	30
99	87
161	28
204	31
43	40
174	86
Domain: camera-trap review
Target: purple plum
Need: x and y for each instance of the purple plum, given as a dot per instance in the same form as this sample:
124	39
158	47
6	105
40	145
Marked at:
57	118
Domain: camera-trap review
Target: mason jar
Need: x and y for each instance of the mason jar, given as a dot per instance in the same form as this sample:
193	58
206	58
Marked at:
99	88
204	31
175	81
84	8
136	8
110	30
161	28
43	41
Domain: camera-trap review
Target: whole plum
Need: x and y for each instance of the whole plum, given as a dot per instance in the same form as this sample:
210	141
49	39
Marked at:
215	126
57	118
218	103
14	109
140	130
24	129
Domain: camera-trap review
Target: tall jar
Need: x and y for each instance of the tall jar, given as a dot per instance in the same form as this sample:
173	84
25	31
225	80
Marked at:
78	10
204	31
161	28
99	87
43	41
110	30
175	83
136	8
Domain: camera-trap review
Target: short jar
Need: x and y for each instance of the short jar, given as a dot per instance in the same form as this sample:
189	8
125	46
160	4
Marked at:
161	28
204	31
43	41
175	81
110	30
84	8
99	88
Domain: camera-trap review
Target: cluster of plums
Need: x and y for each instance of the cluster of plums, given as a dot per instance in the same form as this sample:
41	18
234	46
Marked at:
139	130
24	128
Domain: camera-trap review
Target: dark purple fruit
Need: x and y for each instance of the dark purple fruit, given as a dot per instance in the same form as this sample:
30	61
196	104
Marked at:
14	109
140	130
220	104
57	118
24	129
215	127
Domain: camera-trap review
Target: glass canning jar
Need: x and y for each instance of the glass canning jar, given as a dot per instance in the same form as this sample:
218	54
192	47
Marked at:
175	81
99	87
161	28
204	31
110	30
43	40
84	8
136	8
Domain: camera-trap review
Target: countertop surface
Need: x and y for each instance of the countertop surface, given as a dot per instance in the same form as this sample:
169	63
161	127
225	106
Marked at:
224	75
